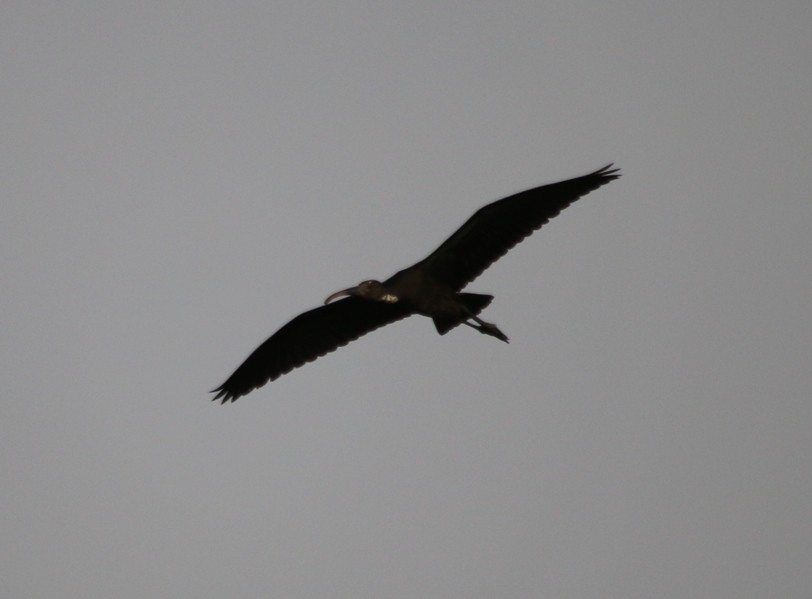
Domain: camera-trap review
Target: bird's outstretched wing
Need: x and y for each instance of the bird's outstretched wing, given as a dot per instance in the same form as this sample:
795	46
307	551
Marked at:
307	337
496	228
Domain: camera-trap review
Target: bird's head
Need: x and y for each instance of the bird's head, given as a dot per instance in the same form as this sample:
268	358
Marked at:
369	290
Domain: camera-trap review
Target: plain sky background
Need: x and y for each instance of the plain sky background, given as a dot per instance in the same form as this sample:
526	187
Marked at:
179	179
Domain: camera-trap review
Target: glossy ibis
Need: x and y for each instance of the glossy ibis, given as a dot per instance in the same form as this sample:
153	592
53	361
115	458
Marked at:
432	287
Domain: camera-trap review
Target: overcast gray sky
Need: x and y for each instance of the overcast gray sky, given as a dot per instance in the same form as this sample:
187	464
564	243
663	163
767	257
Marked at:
180	179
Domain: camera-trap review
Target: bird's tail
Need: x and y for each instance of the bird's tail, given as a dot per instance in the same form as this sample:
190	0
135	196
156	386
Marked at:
474	304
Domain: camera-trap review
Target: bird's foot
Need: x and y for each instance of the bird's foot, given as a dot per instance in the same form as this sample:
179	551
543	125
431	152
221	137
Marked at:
487	328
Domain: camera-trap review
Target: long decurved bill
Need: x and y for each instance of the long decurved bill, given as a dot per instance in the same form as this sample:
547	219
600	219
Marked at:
342	293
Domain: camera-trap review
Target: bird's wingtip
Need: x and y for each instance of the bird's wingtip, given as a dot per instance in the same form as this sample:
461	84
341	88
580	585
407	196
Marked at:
223	395
608	171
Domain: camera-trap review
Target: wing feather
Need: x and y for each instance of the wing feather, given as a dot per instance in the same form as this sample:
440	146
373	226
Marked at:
305	338
496	228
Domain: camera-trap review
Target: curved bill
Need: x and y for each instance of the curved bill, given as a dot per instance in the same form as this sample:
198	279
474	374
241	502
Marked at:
342	293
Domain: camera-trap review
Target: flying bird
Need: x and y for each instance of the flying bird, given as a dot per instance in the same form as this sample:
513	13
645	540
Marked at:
432	287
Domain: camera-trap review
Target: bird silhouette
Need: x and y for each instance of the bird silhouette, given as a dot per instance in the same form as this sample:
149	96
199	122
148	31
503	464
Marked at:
432	287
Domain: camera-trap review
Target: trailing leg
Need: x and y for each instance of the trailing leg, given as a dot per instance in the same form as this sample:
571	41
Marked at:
487	328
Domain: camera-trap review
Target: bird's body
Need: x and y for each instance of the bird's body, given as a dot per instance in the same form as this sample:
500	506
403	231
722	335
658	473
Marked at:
432	287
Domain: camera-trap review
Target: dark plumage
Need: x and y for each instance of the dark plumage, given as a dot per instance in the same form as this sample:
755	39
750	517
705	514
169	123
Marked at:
431	287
